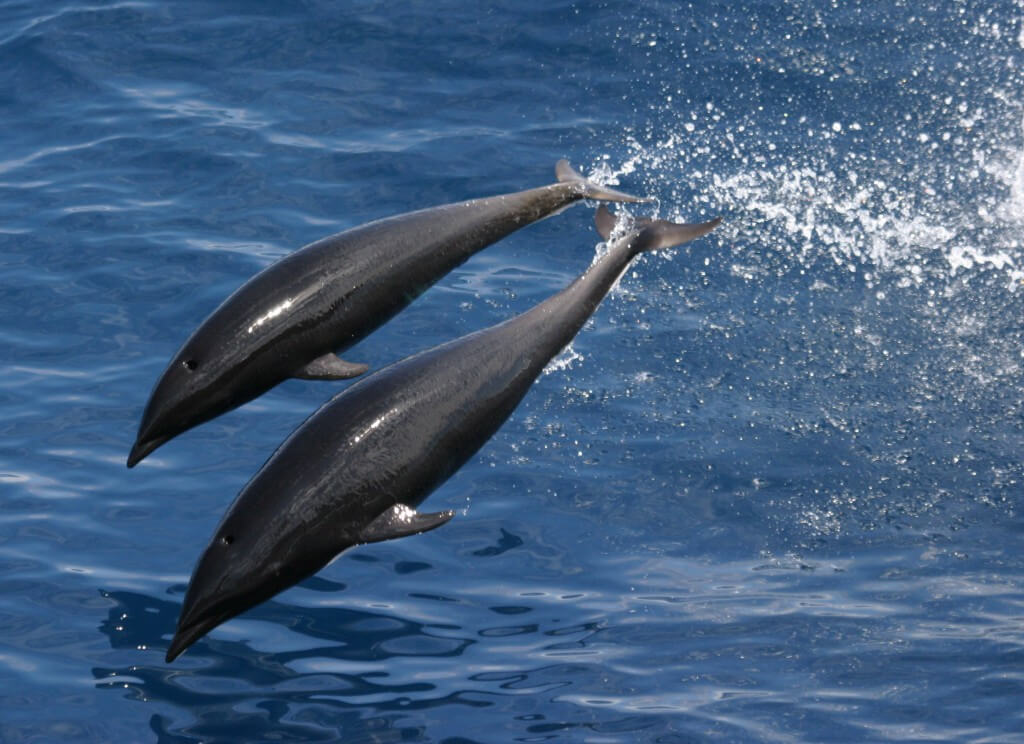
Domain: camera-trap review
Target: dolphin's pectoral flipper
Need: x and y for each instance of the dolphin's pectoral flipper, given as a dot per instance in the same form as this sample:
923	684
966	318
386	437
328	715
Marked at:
331	367
401	521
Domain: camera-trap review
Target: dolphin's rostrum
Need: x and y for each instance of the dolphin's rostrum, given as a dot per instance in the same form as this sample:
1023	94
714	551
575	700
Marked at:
291	318
355	471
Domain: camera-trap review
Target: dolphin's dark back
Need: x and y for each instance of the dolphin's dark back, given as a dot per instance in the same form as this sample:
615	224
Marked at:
351	283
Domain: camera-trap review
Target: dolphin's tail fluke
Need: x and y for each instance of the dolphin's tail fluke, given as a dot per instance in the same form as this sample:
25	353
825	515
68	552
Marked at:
590	190
653	235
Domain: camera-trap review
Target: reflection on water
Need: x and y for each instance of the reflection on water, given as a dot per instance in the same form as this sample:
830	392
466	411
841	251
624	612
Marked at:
350	678
665	646
377	674
336	683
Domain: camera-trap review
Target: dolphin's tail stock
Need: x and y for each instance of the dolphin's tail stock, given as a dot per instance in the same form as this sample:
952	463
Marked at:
654	235
590	190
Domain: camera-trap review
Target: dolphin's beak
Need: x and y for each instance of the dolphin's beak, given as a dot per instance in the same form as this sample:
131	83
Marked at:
141	448
190	632
183	638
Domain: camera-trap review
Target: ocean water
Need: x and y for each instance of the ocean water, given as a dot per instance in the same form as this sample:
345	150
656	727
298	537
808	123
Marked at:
773	491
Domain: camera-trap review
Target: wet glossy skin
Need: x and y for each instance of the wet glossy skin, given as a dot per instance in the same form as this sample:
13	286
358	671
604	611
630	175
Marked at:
324	298
391	438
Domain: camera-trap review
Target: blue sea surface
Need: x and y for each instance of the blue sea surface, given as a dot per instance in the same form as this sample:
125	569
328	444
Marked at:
773	492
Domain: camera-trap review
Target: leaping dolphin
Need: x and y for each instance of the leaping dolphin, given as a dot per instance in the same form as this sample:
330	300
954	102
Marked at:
356	470
291	318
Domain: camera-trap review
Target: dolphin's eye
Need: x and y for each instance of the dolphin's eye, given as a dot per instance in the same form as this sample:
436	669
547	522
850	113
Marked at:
190	364
227	539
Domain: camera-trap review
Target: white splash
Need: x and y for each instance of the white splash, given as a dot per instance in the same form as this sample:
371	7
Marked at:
564	360
907	218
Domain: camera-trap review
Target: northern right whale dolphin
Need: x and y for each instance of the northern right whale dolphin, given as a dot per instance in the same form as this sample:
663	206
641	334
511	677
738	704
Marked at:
356	469
291	318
